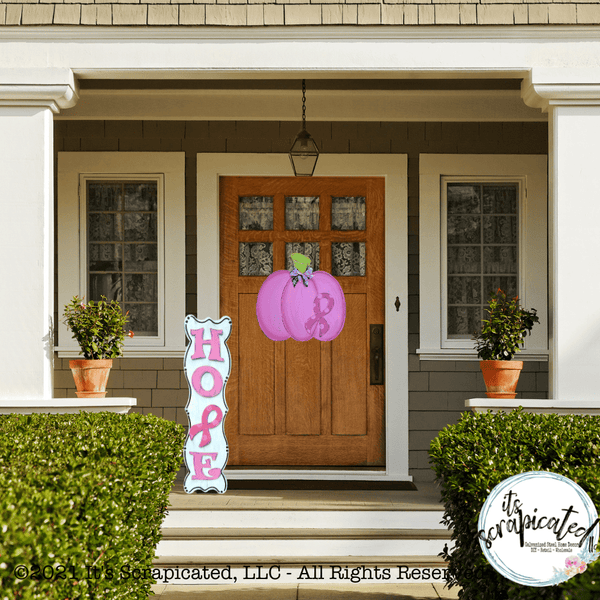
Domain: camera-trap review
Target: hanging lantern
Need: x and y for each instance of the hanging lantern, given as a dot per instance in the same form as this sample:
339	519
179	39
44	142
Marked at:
304	152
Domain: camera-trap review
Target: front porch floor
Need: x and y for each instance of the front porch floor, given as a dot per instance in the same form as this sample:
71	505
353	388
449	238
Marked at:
425	498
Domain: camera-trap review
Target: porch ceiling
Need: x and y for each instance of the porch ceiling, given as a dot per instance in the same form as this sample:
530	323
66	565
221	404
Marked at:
381	100
295	84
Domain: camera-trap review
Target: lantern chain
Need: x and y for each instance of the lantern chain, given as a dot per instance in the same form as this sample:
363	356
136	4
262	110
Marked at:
304	104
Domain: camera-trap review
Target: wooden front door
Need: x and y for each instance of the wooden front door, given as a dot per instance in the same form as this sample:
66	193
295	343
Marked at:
294	404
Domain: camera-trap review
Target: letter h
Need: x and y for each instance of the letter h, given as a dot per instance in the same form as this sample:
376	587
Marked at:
215	344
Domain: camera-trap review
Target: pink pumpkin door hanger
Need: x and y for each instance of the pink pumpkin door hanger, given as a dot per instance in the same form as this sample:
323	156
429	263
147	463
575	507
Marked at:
301	304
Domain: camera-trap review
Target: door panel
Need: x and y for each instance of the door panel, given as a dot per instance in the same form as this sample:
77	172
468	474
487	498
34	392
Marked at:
302	392
348	385
256	361
303	403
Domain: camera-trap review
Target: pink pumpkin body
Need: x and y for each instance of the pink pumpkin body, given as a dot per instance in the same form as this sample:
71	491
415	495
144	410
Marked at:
268	306
301	312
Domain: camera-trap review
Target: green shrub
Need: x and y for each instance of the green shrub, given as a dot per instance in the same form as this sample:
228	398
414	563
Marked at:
481	450
83	499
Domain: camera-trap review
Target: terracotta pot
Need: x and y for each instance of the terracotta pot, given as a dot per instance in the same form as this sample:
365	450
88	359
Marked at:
91	377
501	377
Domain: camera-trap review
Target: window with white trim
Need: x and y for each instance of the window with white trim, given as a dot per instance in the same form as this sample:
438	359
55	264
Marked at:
124	218
482	227
121	227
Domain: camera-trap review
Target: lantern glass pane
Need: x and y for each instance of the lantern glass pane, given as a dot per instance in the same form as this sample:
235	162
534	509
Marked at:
304	165
304	155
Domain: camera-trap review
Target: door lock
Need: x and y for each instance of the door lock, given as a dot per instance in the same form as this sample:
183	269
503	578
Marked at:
376	354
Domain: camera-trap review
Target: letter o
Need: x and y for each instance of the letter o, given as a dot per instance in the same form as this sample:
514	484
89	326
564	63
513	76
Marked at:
197	381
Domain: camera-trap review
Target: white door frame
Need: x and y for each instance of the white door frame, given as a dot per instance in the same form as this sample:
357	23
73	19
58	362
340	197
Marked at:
394	168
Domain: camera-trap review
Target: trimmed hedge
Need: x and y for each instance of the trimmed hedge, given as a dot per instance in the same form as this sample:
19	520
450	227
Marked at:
82	500
481	450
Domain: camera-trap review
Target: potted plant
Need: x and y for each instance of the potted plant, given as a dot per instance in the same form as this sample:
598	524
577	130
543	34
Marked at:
99	328
501	336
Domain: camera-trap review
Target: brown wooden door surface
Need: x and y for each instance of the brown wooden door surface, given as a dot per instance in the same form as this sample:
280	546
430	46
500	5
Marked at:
303	403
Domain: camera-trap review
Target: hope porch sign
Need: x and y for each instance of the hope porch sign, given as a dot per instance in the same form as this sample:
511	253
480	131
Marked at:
207	365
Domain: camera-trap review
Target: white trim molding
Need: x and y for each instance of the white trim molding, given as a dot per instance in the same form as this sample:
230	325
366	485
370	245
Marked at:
53	88
67	405
394	168
544	88
556	407
299	52
531	171
168	169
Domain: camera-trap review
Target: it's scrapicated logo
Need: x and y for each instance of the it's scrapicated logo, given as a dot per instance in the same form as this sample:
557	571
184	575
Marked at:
539	529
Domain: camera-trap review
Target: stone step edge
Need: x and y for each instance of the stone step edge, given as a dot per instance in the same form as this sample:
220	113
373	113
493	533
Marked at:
291	561
278	519
202	533
317	508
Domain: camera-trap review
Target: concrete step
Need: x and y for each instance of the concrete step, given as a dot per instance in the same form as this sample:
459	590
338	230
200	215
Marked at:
237	536
421	591
240	542
306	592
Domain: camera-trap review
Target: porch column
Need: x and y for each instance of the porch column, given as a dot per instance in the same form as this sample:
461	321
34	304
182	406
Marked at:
28	99
572	100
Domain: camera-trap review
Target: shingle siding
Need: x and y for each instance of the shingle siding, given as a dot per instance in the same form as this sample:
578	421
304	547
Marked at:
438	389
260	13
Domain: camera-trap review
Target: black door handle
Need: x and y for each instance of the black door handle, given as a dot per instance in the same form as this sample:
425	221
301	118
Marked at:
376	354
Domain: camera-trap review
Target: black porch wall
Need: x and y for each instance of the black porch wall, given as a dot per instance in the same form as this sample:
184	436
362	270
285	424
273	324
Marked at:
438	389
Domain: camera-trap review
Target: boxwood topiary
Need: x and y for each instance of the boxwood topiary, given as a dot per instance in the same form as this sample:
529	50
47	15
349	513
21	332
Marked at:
473	456
83	499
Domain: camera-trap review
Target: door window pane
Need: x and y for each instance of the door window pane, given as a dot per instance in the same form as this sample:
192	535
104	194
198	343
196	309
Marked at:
256	213
122	229
301	213
481	250
256	258
348	213
309	249
348	259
